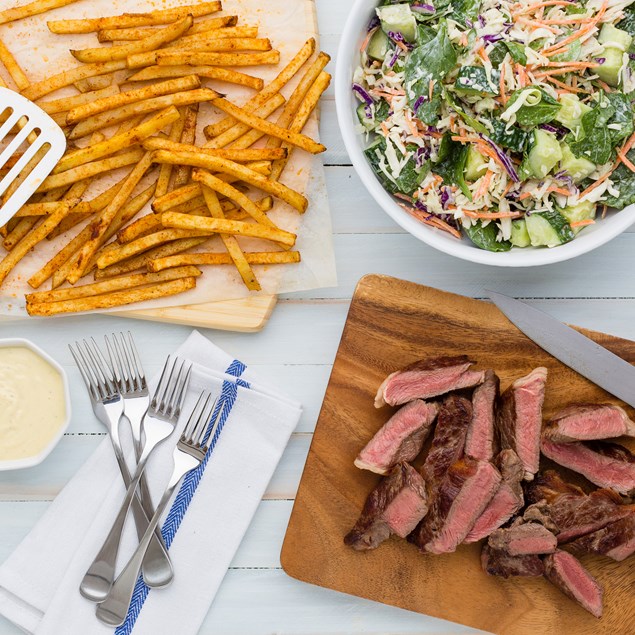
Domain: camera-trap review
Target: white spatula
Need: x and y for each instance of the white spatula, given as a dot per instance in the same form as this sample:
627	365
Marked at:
38	129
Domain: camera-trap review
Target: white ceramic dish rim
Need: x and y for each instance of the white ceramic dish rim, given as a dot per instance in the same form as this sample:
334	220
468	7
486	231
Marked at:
36	459
348	55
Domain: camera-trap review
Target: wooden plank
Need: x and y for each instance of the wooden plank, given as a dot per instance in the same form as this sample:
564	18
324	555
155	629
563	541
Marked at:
391	324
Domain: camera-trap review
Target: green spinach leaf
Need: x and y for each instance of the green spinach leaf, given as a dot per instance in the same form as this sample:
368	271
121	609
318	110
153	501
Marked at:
594	138
628	23
485	237
455	104
465	11
540	107
515	50
515	139
624	181
451	164
622	117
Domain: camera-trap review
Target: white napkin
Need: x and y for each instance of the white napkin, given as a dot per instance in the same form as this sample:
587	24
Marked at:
203	528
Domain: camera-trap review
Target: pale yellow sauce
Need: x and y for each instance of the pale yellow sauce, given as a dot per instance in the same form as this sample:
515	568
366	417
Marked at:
32	403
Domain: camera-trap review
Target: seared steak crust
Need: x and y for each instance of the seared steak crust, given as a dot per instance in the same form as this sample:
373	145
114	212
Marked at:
523	539
616	541
503	565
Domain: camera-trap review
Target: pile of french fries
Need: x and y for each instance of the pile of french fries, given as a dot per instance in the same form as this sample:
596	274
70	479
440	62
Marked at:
143	84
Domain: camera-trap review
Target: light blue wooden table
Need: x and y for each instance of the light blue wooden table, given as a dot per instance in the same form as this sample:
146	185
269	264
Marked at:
296	352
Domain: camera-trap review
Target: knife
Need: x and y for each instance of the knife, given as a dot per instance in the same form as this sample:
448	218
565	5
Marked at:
573	349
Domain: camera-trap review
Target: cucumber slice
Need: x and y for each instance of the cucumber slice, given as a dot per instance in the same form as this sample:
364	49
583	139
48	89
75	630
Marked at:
571	112
544	154
398	18
520	235
548	229
577	168
475	165
585	210
612	36
472	80
609	71
378	46
367	122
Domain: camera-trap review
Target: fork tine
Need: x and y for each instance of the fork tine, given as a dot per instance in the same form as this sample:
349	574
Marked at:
207	438
203	421
135	361
126	371
175	379
181	388
195	416
91	369
114	362
103	367
159	393
83	370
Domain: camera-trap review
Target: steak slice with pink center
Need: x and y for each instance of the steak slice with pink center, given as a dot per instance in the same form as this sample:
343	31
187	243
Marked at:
507	500
399	439
588	422
615	541
463	495
395	506
523	539
519	418
567	573
480	442
501	564
427	378
606	464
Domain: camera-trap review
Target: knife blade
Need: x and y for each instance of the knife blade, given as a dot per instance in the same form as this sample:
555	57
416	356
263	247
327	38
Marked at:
573	349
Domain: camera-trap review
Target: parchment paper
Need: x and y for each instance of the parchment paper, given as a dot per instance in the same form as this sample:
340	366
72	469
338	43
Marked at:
288	23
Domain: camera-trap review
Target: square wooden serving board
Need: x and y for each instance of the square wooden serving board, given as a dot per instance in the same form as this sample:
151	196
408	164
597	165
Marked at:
390	324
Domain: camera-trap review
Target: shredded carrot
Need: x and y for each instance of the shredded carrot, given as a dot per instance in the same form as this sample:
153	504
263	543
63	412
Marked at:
411	126
464	139
524	195
559	71
491	216
402	46
540	5
559	190
501	85
429	219
582	223
568	89
580	19
404	197
507	188
574	81
522	75
566	64
484	185
629	144
384	128
367	39
483	54
624	159
430	89
537	25
483	148
596	183
605	86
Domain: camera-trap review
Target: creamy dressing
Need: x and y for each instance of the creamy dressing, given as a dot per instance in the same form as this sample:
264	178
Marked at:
32	404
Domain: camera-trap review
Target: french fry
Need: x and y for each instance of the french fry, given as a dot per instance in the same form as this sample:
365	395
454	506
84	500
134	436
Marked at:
55	82
68	103
225	32
301	117
234	227
282	79
295	199
209	72
110	300
10	261
253	258
117	284
33	8
110	102
136	247
141	261
238	155
165	16
231	244
188	136
165	171
91	84
89	170
293	138
100	226
185	56
121	141
144	225
122	51
144	107
13	68
239	129
40	209
138	33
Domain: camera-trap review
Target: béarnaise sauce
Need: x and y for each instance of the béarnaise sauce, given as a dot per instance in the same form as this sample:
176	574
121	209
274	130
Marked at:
32	403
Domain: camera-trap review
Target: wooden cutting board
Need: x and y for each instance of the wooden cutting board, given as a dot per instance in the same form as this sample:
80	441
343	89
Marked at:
390	324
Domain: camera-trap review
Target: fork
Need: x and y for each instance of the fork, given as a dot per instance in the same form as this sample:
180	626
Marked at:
158	424
108	407
133	388
189	453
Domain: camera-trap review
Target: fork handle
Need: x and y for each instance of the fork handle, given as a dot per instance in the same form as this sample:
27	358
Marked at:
114	609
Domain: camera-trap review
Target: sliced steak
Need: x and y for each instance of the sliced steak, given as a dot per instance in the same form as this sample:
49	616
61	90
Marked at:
588	422
568	511
463	495
395	506
603	463
427	378
567	573
523	539
501	564
448	441
519	418
399	439
507	500
615	541
480	442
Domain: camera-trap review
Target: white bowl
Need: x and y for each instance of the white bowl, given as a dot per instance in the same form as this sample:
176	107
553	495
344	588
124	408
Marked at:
348	59
35	459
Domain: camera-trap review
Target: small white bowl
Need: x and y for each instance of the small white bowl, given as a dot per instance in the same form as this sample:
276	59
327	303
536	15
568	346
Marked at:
36	459
348	59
